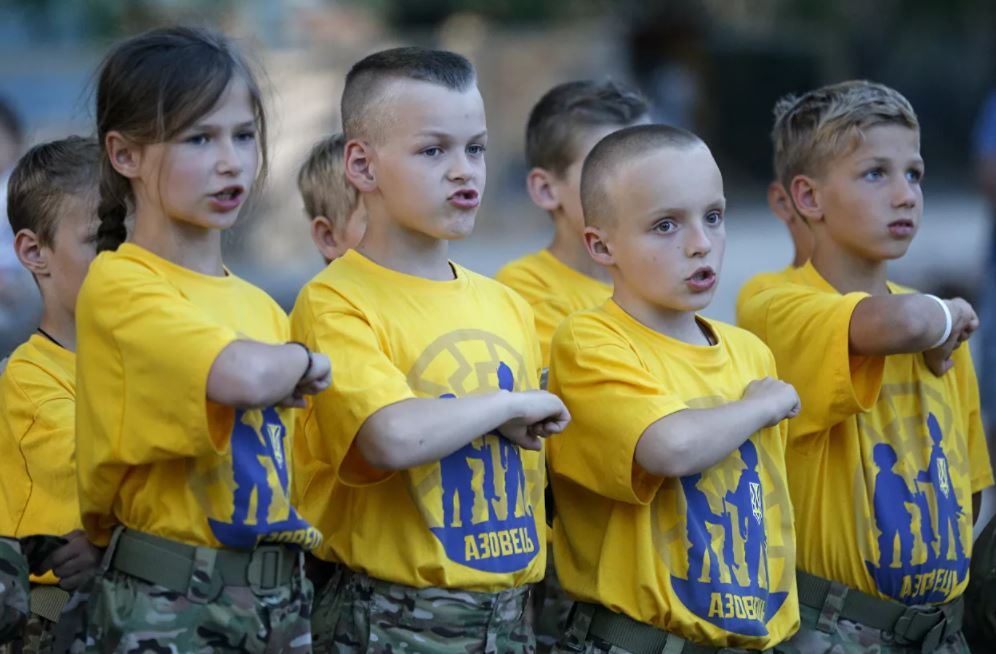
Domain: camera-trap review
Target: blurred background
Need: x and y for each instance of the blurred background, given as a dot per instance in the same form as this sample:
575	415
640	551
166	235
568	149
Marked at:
713	66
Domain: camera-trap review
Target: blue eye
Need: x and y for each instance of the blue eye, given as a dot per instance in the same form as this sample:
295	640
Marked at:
914	175
476	150
874	174
246	136
714	218
433	151
197	139
665	226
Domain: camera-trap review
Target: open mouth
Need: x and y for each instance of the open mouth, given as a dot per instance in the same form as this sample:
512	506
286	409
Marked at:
901	227
229	194
702	275
465	195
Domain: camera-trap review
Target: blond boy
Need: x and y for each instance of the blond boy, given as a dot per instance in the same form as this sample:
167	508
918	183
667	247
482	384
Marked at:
888	455
429	461
337	216
674	528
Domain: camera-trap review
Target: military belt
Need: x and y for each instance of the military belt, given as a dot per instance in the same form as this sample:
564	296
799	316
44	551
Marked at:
638	637
171	564
927	626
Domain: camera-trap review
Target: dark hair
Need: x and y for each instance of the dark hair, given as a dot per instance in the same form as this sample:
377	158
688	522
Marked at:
552	130
44	176
615	149
152	87
366	77
10	120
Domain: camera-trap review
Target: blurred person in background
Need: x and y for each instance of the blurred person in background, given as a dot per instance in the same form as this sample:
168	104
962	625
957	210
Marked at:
14	282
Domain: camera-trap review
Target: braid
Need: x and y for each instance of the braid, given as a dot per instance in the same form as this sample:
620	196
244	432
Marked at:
113	209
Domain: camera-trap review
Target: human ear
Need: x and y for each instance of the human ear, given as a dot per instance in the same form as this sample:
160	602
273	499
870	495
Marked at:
595	241
544	192
30	252
124	155
357	160
805	195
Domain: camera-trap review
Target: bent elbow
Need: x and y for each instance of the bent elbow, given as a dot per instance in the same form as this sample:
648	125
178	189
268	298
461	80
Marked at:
672	457
382	446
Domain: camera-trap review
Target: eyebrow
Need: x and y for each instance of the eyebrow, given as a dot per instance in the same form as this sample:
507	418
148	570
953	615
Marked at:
447	135
885	160
664	212
212	126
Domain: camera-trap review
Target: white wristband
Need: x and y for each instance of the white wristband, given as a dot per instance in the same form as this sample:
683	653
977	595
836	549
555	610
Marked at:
948	322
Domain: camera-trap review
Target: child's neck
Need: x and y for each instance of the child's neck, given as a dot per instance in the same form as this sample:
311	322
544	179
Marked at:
677	324
59	325
569	249
398	248
848	272
189	246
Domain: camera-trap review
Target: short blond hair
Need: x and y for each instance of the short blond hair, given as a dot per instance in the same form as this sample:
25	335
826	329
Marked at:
323	184
817	127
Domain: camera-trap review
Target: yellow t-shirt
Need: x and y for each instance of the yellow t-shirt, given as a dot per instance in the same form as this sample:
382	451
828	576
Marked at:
709	556
884	458
153	453
759	282
473	520
554	290
38	442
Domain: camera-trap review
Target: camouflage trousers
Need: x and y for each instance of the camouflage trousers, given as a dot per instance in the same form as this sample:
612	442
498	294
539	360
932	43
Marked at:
551	606
13	589
848	637
43	636
128	615
358	614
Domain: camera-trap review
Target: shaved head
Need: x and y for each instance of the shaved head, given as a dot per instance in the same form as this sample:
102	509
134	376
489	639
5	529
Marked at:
366	106
612	153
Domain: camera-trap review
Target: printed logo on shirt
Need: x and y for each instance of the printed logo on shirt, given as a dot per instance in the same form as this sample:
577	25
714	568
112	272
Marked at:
729	582
920	533
260	487
480	501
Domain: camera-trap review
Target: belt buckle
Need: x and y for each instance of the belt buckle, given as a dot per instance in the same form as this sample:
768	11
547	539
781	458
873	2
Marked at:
923	626
266	569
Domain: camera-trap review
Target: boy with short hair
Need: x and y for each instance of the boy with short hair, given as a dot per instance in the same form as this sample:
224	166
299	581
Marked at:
888	455
432	475
51	204
563	127
337	216
674	528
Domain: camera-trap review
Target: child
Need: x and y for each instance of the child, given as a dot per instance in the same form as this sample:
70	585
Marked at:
338	219
890	425
185	375
432	470
52	206
563	127
674	523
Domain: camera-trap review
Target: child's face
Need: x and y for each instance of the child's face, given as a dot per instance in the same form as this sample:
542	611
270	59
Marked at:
203	176
73	247
429	164
870	199
668	238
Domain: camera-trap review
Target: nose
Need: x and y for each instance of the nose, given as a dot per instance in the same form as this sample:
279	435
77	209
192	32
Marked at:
906	193
698	242
229	160
461	168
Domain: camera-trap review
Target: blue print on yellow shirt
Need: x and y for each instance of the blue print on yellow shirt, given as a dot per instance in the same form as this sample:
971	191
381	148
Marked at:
931	579
715	593
505	540
256	449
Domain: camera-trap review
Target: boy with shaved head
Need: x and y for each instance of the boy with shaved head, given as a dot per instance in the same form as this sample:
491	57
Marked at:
674	531
425	459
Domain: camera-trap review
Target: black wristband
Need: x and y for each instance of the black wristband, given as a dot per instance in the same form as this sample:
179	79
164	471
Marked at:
311	361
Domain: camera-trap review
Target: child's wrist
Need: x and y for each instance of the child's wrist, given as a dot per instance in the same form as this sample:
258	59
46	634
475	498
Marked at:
948	322
311	359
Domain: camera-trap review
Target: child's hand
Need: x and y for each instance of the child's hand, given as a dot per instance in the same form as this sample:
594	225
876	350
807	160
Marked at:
780	398
538	414
75	562
964	322
316	380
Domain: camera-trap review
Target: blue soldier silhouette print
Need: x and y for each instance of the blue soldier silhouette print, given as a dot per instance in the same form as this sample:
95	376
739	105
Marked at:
929	578
251	448
731	596
948	508
749	501
487	541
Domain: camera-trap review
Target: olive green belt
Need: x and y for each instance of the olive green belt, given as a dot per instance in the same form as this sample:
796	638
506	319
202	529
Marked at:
172	564
927	626
638	637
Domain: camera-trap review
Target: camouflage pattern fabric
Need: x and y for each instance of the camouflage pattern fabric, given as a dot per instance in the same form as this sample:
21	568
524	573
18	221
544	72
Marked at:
42	636
378	617
846	637
551	606
127	615
13	591
980	596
